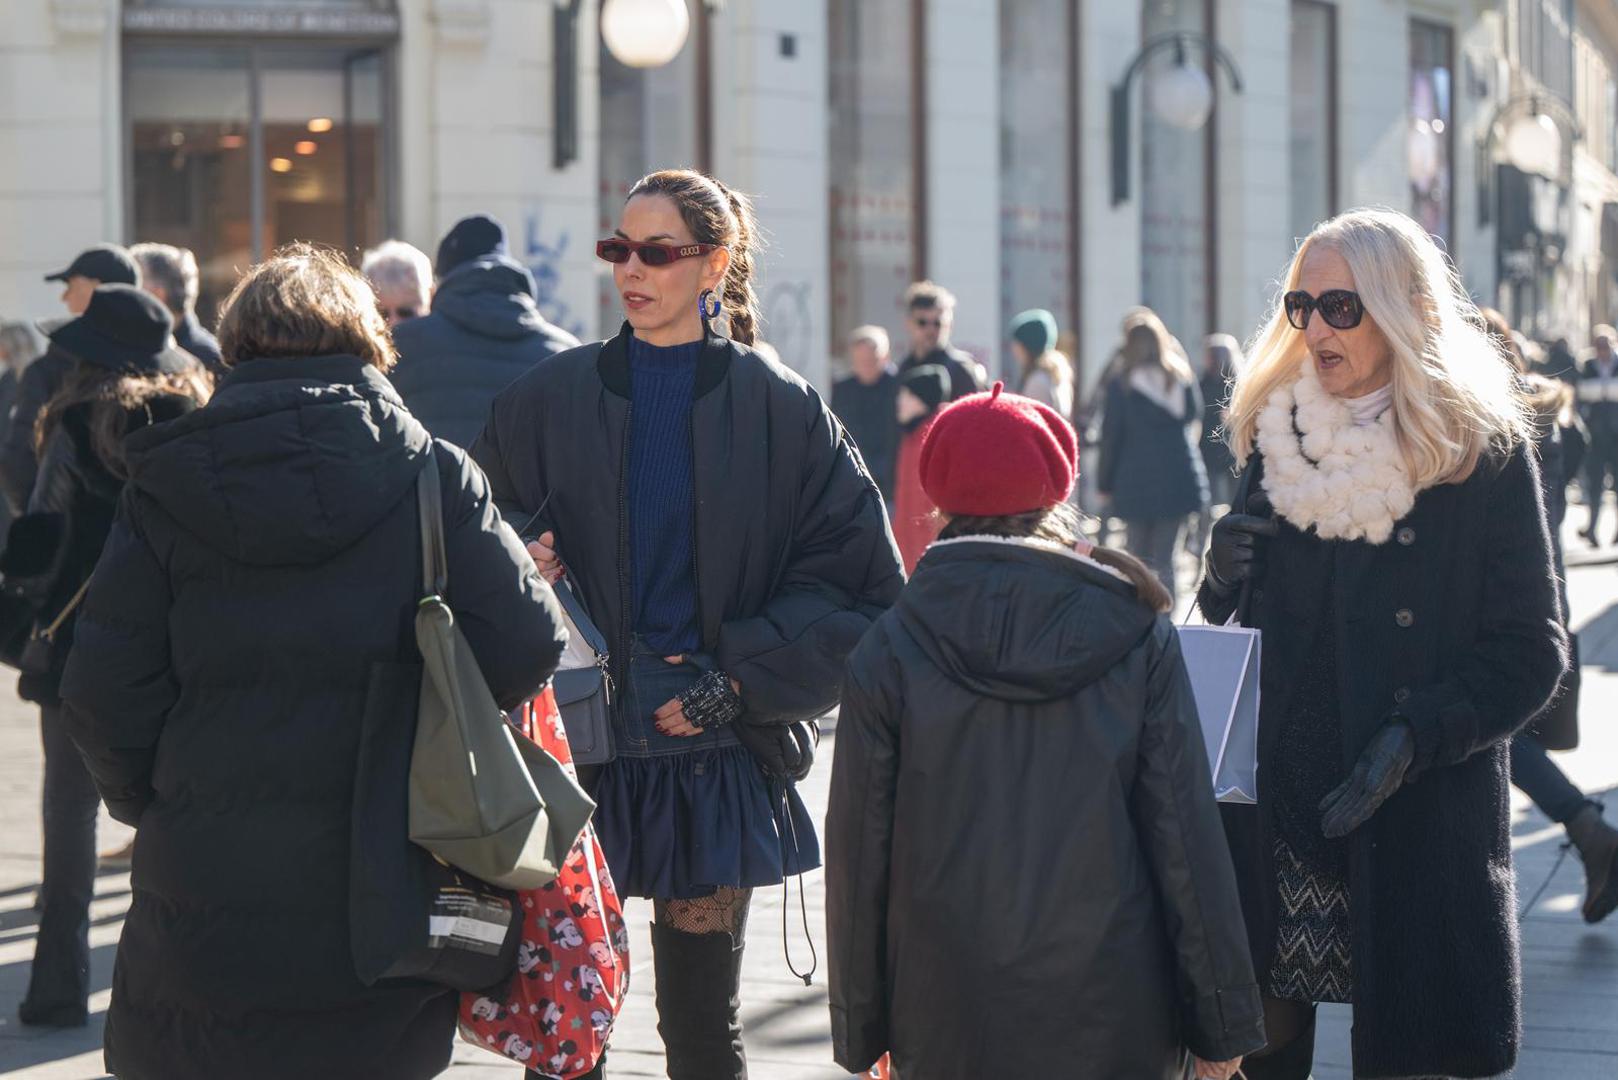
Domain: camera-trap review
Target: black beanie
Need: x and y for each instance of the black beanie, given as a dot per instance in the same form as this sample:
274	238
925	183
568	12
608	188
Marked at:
472	238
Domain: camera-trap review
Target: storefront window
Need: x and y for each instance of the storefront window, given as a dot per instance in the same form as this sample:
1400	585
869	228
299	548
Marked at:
1176	225
872	173
647	123
234	152
1431	137
1036	226
1312	150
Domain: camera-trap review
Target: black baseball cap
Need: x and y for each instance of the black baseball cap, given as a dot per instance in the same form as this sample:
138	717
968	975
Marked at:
106	263
124	329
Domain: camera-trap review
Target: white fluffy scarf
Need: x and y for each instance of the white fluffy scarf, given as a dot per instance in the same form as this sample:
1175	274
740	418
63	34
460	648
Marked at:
1344	481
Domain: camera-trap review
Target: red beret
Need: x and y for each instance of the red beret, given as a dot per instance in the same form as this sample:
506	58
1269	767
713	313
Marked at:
995	454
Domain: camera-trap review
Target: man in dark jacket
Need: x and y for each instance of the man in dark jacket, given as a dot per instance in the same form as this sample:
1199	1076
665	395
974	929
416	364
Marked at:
170	274
485	330
1597	390
103	264
865	403
930	316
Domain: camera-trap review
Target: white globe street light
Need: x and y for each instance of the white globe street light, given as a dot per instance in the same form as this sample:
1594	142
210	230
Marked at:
1181	96
1534	145
645	33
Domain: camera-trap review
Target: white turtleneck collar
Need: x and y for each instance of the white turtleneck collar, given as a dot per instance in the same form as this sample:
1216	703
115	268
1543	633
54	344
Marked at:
1366	409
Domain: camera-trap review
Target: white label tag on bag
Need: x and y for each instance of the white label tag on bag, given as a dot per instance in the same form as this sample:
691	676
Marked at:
462	919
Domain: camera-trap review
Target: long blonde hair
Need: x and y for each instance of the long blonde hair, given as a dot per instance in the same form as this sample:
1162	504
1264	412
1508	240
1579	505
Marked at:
1148	344
1454	394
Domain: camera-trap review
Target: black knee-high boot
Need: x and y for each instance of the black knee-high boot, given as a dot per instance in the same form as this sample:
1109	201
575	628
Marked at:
1290	1062
699	1004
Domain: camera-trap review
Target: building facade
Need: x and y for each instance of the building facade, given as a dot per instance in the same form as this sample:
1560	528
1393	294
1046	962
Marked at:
971	141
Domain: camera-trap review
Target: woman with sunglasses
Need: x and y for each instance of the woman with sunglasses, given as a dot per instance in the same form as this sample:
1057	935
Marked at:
724	535
1389	538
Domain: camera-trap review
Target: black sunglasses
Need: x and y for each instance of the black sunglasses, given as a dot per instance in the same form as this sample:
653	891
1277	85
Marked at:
1341	308
651	252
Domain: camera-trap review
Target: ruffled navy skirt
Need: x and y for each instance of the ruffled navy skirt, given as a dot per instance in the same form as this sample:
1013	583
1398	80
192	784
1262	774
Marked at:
679	817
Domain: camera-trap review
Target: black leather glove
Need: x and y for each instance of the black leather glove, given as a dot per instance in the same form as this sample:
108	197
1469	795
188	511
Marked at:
1236	551
785	751
1377	774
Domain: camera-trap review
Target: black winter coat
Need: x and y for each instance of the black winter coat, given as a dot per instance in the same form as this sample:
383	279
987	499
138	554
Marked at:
794	557
1025	874
18	460
870	415
1453	625
484	331
1151	464
264	568
71	511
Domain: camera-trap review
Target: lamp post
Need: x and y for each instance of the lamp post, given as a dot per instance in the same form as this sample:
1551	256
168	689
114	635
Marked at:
1181	96
1538	128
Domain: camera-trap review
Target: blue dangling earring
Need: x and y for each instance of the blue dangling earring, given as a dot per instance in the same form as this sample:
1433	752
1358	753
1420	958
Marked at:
703	306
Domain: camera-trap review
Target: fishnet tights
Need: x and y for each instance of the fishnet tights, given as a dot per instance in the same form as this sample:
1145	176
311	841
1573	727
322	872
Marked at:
725	911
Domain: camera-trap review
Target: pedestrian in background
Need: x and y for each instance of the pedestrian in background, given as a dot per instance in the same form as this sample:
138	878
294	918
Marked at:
930	319
1549	402
485	330
1408	603
1151	468
171	275
1025	870
1597	388
126	374
722	533
1044	374
922	392
1221	357
865	401
253	599
1559	362
20	345
402	276
102	264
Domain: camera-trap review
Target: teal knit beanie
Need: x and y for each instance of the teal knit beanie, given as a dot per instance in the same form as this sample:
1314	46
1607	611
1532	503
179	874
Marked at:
1036	329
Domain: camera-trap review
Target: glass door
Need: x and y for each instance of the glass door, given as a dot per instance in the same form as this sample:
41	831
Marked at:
237	150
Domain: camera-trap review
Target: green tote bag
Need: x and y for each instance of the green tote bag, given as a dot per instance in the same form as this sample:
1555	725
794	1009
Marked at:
482	797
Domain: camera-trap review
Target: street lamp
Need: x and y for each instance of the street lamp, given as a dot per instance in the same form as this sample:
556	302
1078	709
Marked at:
644	33
1181	96
1537	128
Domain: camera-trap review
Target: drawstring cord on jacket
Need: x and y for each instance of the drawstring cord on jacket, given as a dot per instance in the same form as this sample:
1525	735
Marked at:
783	810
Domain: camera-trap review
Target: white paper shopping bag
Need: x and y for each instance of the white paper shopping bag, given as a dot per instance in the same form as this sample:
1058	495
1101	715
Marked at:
1224	664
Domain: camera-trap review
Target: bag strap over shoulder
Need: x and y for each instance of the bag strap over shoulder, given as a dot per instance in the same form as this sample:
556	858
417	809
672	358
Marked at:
430	503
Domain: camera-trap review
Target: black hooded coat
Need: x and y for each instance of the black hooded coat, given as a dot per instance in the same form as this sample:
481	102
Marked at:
1025	869
253	602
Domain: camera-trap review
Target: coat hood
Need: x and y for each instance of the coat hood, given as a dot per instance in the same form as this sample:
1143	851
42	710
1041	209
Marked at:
1018	620
492	296
291	462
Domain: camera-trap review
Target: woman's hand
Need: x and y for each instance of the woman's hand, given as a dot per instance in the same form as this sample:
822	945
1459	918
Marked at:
1377	774
543	552
1236	552
1215	1070
670	719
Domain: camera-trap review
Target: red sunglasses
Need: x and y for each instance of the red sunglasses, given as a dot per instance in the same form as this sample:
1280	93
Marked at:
651	252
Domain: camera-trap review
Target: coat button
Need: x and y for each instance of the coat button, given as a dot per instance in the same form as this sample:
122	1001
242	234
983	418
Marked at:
1406	536
1404	617
1401	695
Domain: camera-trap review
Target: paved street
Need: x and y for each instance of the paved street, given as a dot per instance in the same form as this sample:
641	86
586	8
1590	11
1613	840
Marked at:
1571	970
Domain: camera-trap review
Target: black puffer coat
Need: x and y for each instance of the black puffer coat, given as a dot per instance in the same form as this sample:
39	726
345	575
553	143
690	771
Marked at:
265	562
794	557
1454	625
1025	874
484	331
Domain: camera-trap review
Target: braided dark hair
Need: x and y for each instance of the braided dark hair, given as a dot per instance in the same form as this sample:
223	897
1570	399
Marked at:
717	215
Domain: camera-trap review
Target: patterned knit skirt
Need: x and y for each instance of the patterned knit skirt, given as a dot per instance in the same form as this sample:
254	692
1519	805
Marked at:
1313	933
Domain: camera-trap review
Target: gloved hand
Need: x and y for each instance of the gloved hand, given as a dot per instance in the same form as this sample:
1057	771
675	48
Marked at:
1376	775
785	751
1236	551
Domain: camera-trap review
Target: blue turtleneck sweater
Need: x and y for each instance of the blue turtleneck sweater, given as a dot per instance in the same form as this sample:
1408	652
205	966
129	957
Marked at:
661	493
